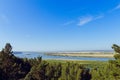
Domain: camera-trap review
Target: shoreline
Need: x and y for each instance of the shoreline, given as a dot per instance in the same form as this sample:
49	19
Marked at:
84	54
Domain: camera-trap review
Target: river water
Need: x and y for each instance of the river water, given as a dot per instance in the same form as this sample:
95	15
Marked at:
45	57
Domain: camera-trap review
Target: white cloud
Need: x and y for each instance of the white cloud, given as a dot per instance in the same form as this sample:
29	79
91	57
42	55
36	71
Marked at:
117	7
99	17
87	19
68	23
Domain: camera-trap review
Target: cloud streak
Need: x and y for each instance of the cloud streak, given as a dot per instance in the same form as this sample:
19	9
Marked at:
87	19
83	20
117	7
68	23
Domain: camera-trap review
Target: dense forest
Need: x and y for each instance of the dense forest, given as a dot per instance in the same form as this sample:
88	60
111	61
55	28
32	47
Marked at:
15	68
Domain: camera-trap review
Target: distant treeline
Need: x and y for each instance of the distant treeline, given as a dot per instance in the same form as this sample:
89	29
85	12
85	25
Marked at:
14	68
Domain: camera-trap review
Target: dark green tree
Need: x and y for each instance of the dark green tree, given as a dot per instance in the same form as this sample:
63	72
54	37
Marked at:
8	48
13	67
116	48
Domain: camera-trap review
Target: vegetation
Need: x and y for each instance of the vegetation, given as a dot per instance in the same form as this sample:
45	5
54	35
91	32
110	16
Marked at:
11	67
14	68
109	71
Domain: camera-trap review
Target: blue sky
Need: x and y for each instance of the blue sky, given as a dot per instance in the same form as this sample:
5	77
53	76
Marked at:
59	25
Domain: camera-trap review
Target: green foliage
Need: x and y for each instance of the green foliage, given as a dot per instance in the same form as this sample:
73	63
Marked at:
110	71
116	48
8	48
117	56
71	71
14	68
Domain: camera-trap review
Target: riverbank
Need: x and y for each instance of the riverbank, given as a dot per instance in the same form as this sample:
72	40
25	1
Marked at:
85	54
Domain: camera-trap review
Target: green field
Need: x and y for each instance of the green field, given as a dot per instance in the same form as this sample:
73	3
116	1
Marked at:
77	61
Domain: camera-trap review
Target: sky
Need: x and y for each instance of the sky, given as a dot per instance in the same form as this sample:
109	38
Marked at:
59	25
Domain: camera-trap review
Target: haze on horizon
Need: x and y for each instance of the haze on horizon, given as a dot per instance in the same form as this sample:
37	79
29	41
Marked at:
59	25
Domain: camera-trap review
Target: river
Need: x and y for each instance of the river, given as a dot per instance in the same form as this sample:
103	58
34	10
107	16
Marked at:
45	57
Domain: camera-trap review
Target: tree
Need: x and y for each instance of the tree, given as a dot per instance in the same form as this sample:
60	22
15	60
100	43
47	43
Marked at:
12	67
8	48
116	48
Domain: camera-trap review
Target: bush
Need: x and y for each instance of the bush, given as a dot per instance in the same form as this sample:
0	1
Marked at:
117	56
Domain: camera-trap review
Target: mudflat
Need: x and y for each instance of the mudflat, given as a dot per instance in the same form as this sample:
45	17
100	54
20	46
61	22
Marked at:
84	54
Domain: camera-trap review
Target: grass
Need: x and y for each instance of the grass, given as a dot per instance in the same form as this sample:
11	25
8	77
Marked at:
76	61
